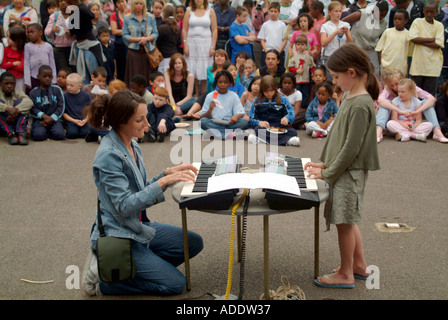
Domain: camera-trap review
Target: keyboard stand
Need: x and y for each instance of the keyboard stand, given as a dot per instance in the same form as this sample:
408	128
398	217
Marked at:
257	206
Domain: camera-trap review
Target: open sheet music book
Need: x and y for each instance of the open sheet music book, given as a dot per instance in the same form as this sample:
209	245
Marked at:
259	180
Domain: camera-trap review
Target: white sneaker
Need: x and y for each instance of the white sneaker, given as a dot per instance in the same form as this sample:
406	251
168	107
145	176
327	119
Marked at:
252	139
90	282
421	137
294	141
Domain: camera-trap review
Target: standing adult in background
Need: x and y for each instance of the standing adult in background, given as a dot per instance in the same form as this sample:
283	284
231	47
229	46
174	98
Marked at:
116	27
199	34
225	16
19	12
139	31
86	52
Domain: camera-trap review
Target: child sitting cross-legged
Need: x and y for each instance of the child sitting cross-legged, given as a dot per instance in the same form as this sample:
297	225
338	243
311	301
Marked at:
412	127
160	116
271	115
222	112
321	111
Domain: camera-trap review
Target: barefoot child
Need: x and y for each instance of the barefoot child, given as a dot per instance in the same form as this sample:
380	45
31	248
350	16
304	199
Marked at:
350	150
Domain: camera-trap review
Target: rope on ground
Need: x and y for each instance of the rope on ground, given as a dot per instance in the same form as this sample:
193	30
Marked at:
286	292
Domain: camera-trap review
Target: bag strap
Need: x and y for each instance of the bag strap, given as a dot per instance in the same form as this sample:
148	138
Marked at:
100	222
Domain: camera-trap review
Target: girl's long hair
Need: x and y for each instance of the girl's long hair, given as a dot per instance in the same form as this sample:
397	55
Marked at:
171	71
351	56
268	83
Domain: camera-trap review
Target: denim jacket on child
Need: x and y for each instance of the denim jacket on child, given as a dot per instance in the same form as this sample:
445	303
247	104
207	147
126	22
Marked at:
329	109
123	190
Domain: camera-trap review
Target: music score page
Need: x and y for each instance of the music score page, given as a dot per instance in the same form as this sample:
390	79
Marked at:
259	180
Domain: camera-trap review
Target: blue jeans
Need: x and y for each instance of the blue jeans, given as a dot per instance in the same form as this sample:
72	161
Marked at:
90	64
383	116
185	107
156	263
222	130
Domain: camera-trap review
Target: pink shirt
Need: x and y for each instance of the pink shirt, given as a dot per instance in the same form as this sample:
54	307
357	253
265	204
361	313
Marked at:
312	41
59	41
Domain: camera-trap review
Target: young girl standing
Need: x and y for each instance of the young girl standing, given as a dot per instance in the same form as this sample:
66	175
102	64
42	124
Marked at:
271	115
406	128
13	58
334	33
350	150
37	54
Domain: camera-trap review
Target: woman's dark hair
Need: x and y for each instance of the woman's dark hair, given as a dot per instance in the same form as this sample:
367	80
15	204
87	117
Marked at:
351	56
327	85
113	110
249	87
224	73
18	35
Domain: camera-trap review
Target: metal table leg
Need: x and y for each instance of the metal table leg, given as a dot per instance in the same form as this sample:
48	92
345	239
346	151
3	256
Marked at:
316	242
186	250
266	256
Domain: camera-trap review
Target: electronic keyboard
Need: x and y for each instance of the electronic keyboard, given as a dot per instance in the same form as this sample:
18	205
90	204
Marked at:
195	197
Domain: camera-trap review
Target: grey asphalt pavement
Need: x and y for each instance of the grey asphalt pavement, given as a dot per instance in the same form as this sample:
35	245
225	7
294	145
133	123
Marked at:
48	203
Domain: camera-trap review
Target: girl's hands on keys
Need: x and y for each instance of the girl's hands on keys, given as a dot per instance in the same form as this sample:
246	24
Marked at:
314	170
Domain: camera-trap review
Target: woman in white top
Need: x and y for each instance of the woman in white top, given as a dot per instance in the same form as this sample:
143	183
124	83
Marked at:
20	12
334	33
200	33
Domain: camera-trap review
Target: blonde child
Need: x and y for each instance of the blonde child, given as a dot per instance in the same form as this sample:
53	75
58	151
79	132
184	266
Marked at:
390	91
334	33
13	58
75	100
350	151
249	68
321	112
271	112
36	54
411	127
302	64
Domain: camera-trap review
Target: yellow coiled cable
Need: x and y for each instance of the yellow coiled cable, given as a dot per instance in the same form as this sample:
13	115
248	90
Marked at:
232	237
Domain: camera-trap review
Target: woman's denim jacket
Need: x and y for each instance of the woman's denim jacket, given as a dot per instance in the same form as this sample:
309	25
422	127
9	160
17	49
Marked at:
133	28
123	190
